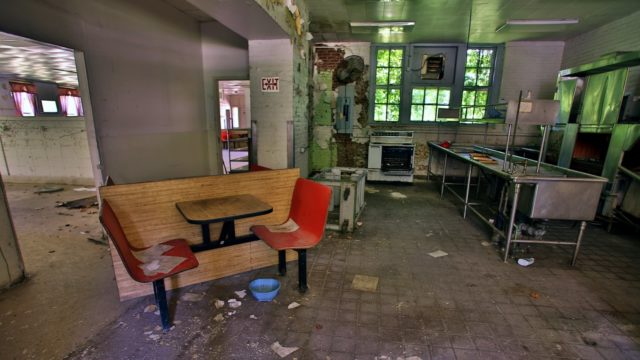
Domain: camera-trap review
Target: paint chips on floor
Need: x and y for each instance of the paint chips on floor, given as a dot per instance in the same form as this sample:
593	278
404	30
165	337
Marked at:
365	283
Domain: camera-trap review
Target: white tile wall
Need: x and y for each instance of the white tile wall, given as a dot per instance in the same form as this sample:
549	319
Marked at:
620	35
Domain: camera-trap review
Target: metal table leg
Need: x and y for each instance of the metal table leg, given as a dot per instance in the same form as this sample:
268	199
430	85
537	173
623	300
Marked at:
512	219
444	176
583	226
466	195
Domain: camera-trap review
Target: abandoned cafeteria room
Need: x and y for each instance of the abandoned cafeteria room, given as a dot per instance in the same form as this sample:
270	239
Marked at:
320	179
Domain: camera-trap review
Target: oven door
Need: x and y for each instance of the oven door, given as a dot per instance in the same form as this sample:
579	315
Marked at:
397	158
375	156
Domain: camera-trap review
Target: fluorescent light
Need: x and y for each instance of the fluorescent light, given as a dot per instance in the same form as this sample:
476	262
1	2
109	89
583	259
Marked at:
381	23
542	21
528	22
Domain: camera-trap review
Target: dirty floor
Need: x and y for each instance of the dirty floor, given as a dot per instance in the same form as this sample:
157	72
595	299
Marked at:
466	304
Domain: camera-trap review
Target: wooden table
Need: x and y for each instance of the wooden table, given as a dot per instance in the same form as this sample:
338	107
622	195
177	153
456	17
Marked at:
222	209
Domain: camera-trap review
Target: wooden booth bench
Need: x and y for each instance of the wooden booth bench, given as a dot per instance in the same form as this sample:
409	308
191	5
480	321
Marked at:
148	214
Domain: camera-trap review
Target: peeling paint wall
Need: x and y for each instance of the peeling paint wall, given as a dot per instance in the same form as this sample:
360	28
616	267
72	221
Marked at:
295	22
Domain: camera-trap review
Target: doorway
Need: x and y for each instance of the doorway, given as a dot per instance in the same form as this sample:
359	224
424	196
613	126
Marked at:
48	160
235	125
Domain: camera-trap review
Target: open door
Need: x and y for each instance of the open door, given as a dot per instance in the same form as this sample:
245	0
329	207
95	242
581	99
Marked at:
235	125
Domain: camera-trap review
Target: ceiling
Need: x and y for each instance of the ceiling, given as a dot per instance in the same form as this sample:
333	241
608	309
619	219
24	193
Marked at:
28	59
448	20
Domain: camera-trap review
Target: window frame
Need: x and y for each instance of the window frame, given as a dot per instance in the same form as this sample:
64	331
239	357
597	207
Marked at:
437	104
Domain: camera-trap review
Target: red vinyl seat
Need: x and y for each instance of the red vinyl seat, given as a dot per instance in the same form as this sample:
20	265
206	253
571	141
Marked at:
309	207
179	248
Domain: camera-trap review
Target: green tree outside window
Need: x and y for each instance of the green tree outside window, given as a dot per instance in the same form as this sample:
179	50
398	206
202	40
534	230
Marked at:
388	81
477	81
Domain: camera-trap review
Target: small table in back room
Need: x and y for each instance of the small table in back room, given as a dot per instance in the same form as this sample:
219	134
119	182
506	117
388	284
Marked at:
222	209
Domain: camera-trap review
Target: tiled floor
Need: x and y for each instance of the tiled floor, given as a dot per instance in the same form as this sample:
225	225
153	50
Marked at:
466	305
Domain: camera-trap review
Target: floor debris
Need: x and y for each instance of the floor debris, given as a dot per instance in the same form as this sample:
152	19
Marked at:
150	308
79	203
84	189
371	190
253	317
438	253
154	337
231	313
234	304
191	297
48	189
102	240
293	305
525	262
218	317
281	350
365	283
485	243
397	195
219	304
241	294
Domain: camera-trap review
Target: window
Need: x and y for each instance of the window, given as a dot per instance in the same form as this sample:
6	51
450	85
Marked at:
24	98
425	102
401	94
477	82
70	102
388	84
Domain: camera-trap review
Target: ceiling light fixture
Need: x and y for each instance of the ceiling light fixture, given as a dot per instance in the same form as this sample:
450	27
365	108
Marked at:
537	22
381	23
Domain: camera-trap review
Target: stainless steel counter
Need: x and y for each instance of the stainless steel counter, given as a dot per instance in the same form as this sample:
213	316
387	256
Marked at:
544	192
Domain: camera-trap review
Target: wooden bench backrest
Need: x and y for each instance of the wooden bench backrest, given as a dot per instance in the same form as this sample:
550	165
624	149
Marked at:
148	215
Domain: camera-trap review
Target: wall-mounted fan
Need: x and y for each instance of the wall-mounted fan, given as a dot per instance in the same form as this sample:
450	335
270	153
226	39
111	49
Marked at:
349	69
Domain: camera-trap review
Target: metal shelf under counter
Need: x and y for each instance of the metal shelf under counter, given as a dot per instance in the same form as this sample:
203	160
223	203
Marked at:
526	188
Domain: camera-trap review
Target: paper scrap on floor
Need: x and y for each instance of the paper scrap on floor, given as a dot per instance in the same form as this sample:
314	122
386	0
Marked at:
438	253
365	283
288	226
192	297
281	350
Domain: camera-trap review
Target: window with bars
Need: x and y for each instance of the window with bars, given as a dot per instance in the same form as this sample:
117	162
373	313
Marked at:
478	77
425	102
388	92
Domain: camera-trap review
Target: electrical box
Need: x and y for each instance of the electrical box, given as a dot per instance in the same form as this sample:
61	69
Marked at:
345	104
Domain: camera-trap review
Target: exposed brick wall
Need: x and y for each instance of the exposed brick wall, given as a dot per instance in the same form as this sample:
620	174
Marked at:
328	58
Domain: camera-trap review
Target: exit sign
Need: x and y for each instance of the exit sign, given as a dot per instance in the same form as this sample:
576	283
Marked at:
270	84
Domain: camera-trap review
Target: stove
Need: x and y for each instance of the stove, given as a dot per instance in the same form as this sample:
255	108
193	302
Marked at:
391	156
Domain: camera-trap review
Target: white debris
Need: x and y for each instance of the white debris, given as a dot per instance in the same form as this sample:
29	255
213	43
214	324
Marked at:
293	305
241	294
371	190
234	304
429	234
155	337
231	313
219	304
253	317
281	350
157	328
148	332
438	253
191	297
157	312
150	308
359	223
526	262
485	243
84	189
397	195
218	318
